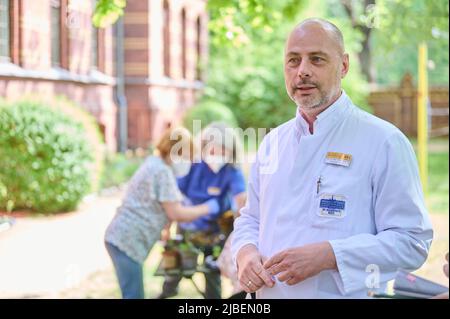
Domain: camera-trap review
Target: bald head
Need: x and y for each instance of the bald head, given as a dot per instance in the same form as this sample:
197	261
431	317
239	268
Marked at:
329	28
314	65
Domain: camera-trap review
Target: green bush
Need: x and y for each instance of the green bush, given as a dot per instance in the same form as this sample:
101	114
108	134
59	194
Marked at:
208	111
45	159
119	168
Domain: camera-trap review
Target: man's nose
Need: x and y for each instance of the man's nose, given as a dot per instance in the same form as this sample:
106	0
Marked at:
304	69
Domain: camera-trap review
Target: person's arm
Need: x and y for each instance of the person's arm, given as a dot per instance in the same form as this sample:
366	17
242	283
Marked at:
177	212
237	190
239	200
165	233
404	231
167	193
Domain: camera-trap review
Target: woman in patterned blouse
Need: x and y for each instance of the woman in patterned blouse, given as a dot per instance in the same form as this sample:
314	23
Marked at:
151	201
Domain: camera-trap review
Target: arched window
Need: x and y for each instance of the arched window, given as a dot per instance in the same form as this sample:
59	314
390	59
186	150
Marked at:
59	40
55	29
183	44
166	38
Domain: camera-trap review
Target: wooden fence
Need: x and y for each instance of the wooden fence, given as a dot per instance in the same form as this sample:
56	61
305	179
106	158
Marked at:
398	105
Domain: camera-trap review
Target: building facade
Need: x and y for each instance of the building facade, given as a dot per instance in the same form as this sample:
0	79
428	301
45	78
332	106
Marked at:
51	48
165	49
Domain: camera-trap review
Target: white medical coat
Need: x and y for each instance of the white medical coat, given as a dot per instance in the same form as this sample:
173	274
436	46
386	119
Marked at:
384	225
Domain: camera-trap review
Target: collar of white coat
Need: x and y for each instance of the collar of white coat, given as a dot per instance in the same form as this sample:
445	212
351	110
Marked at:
325	120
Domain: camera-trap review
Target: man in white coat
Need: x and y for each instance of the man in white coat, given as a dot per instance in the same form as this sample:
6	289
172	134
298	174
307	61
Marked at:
335	204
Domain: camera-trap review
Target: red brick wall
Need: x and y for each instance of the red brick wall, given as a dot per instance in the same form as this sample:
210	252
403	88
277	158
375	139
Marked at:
34	74
154	100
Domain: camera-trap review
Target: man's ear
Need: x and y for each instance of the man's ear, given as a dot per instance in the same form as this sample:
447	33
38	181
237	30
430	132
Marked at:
345	65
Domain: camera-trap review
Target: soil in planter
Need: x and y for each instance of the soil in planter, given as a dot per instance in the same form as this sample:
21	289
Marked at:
189	259
171	259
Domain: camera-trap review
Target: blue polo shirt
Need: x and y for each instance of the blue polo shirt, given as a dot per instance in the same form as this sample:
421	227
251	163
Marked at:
202	184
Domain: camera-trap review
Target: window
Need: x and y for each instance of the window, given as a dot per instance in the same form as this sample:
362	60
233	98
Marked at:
183	44
94	47
55	29
96	44
59	32
166	38
4	31
198	71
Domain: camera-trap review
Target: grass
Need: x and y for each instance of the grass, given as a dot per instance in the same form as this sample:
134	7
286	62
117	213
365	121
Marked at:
438	183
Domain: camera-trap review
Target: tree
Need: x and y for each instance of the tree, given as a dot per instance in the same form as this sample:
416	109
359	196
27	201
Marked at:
387	24
107	12
357	13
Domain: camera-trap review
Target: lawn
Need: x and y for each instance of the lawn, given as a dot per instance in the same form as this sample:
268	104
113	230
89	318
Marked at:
438	182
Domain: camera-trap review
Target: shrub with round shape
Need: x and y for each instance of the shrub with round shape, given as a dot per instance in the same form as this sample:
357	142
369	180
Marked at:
45	159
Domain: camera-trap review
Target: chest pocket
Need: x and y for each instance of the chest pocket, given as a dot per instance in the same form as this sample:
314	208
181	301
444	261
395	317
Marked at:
335	192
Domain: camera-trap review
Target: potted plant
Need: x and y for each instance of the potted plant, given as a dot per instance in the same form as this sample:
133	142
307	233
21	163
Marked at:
189	255
211	260
170	255
225	222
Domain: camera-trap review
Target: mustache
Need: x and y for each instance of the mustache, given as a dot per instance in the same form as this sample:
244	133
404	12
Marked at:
297	85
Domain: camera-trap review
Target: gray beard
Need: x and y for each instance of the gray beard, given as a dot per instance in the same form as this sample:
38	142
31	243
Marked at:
322	101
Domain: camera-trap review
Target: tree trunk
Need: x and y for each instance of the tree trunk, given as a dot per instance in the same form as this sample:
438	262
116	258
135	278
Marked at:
365	56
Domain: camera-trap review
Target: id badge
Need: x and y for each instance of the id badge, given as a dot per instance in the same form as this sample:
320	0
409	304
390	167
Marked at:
332	206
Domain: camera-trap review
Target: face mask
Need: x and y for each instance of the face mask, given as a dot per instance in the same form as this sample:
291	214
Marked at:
215	162
181	169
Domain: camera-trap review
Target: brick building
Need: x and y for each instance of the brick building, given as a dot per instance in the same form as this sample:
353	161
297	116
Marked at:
50	47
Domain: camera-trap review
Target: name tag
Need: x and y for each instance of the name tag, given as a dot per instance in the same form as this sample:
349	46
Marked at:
214	191
338	159
332	206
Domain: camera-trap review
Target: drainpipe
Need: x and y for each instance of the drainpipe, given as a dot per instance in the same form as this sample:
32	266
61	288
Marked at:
120	88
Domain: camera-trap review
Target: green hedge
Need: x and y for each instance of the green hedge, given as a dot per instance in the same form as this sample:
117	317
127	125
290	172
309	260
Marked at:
45	158
208	111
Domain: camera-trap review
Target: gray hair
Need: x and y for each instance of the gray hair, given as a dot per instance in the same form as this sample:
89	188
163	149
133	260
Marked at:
220	134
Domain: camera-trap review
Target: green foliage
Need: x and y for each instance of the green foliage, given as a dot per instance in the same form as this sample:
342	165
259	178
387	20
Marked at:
237	22
251	82
45	159
410	21
438	184
250	79
107	12
399	28
208	111
392	64
119	168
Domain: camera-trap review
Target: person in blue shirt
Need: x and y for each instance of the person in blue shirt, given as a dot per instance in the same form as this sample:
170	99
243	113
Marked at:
215	176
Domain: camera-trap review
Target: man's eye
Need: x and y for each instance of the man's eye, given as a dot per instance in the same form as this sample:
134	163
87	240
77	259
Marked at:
293	61
317	59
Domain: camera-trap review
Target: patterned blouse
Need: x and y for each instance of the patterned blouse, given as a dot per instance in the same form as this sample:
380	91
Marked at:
140	219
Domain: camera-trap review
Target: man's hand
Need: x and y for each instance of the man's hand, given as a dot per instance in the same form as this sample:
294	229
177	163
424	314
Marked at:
294	265
251	273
